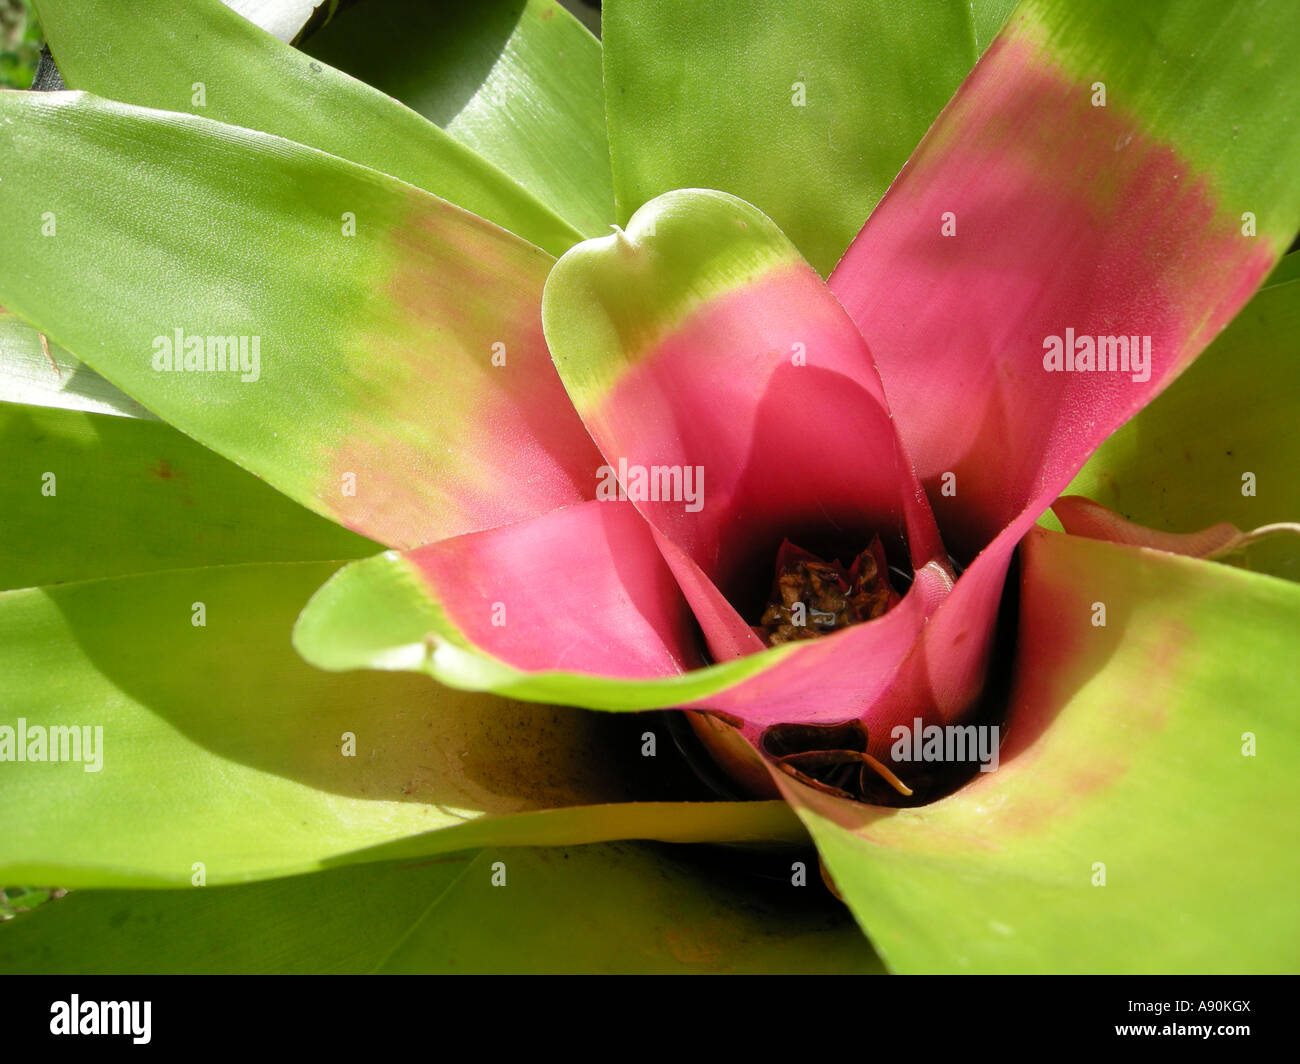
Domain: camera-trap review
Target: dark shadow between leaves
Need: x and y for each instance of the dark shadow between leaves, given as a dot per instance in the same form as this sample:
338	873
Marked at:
237	688
431	57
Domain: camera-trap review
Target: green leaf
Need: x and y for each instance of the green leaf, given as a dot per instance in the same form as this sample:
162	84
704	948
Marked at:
200	57
518	81
220	746
1222	429
708	96
1161	746
28	374
373	350
129	496
598	909
1287	269
987	17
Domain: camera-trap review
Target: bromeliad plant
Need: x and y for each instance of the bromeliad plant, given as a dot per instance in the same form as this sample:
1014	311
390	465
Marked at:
674	469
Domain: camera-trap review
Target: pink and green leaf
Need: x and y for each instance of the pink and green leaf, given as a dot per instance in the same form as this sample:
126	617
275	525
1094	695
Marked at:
200	57
581	589
688	320
404	612
1083	517
401	612
403	386
1030	209
700	341
1141	815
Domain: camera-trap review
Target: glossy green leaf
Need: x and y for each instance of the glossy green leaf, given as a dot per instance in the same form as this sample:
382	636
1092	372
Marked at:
806	111
42	373
89	495
200	57
598	909
518	81
1142	815
987	17
221	747
1220	443
373	310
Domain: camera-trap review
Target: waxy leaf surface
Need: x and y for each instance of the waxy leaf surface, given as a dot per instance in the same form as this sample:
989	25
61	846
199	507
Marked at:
401	387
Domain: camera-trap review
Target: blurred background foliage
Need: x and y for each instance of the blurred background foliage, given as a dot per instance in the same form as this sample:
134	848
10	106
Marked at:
20	43
15	900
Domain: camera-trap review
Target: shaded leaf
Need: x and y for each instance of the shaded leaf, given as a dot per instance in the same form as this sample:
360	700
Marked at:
1220	443
220	746
200	57
88	495
598	909
518	81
